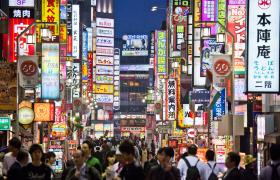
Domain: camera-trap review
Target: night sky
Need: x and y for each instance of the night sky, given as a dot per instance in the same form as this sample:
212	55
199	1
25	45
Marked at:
135	16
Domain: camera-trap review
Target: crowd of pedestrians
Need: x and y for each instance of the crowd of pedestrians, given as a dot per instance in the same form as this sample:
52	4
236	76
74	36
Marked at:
131	160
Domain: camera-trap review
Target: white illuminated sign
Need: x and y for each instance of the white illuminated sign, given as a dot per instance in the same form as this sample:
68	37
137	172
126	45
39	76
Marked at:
105	32
75	31
263	46
105	22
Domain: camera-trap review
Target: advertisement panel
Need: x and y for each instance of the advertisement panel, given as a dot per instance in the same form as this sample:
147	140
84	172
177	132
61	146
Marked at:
44	112
28	71
50	71
221	69
192	118
18	12
109	70
171	94
63	33
16	26
21	3
63	14
104	32
105	41
100	79
209	47
222	11
136	45
263	46
103	89
50	13
59	130
89	36
25	115
209	13
90	68
160	37
116	104
200	96
181	9
219	107
239	89
105	51
105	60
104	98
104	22
76	31
76	80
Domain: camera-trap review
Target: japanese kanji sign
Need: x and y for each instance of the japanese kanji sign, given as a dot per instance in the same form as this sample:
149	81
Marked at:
50	13
220	106
181	8
161	52
76	31
76	80
21	12
221	69
263	46
171	94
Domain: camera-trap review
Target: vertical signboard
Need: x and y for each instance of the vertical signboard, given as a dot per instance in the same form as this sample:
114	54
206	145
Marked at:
171	94
50	71
181	8
75	31
263	46
220	106
222	14
116	104
161	52
76	80
50	13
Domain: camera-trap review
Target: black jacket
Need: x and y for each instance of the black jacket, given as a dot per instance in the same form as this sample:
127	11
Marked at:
158	173
15	171
235	174
91	172
132	172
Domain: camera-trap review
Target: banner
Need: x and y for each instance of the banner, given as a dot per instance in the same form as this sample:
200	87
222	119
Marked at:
101	79
50	71
104	60
103	89
263	47
28	71
104	32
50	13
219	108
109	70
76	80
21	3
104	98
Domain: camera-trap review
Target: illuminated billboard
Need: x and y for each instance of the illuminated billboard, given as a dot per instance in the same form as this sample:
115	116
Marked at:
75	31
50	13
50	71
160	37
136	45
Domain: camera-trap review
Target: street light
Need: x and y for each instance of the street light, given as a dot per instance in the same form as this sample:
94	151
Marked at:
31	39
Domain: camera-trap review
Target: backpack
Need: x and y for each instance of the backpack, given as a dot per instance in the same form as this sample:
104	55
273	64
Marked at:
192	172
275	175
212	176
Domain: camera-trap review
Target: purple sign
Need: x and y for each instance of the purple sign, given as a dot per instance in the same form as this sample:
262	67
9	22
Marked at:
209	13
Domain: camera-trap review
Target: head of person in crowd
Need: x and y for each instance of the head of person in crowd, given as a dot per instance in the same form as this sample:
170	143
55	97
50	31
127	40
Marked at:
160	155
14	146
79	158
192	150
50	157
210	155
110	158
168	154
150	155
36	153
119	156
128	151
275	152
232	160
22	157
87	148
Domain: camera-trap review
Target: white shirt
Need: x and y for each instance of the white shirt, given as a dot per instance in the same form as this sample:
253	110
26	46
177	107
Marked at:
9	160
218	169
182	166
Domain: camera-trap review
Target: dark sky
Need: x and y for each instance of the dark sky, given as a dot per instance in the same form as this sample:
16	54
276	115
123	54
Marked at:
135	17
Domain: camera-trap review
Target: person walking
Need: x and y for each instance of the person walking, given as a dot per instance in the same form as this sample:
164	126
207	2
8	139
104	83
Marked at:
118	166
272	171
15	171
110	160
82	171
144	154
132	170
10	157
50	160
165	170
212	170
249	172
190	167
36	170
232	164
91	160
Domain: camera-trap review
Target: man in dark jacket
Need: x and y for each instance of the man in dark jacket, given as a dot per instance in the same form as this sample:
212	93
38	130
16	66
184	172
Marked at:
272	171
81	169
15	171
165	170
132	169
232	163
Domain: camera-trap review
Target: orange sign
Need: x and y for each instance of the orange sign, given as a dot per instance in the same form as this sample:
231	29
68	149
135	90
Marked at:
63	33
44	112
